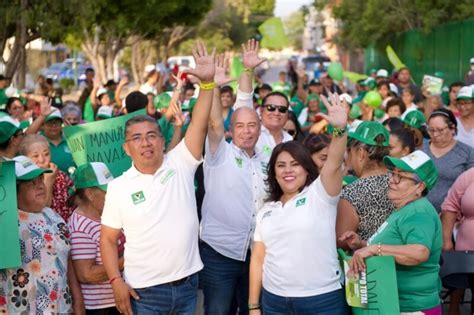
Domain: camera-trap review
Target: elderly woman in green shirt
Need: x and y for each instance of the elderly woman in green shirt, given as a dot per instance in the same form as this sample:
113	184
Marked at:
412	234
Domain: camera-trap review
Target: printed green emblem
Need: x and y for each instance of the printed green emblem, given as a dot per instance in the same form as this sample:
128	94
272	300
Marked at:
138	197
239	162
264	166
267	150
300	202
167	176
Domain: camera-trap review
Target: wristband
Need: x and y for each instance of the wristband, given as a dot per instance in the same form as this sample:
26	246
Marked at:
207	86
248	70
339	132
253	306
113	279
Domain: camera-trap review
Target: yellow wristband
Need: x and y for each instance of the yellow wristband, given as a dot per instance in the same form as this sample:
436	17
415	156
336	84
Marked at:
248	70
207	86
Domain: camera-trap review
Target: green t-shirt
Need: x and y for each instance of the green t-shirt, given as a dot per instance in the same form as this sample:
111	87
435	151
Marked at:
61	155
88	111
416	223
284	88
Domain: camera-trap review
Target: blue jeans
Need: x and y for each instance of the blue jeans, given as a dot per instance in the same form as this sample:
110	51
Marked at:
178	297
331	303
224	282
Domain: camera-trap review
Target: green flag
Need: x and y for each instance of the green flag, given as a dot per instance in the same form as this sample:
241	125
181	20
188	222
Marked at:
394	60
273	34
236	69
10	253
101	141
354	76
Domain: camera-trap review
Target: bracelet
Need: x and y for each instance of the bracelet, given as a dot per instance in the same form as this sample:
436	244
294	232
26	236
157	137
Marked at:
207	86
248	70
113	279
339	132
253	306
379	249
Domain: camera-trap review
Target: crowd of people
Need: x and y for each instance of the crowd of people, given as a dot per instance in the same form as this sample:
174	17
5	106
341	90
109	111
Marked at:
245	193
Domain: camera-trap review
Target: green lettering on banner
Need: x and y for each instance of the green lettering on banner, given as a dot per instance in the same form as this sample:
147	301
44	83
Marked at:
375	291
10	253
101	141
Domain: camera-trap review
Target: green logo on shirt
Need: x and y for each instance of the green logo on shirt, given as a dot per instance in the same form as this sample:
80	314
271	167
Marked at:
138	197
167	176
300	202
264	168
239	162
267	150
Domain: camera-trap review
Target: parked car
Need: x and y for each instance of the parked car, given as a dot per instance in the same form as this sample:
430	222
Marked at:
311	64
64	70
181	61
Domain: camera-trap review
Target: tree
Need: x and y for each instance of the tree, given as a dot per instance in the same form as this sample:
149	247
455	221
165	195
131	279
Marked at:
27	20
294	25
368	21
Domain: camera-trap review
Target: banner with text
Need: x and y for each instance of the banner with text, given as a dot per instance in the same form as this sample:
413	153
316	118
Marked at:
10	253
101	141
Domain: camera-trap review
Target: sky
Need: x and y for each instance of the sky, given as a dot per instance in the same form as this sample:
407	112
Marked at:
284	8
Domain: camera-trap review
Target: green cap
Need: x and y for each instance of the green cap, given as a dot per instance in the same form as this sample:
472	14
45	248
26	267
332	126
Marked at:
439	74
418	163
372	71
367	131
93	174
465	93
162	100
414	119
312	97
371	83
105	112
25	169
56	114
8	127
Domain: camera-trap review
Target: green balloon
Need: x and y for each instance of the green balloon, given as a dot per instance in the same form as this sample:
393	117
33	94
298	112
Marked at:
379	113
162	100
355	112
373	99
335	71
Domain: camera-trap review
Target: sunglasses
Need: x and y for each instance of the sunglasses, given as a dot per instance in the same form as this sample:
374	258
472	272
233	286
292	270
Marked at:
272	108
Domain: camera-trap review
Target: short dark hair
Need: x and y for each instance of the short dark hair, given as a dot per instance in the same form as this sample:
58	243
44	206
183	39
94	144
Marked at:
455	84
109	83
448	118
265	86
135	101
382	83
396	102
393	123
140	119
189	86
301	155
316	142
406	137
89	70
227	89
10	102
276	93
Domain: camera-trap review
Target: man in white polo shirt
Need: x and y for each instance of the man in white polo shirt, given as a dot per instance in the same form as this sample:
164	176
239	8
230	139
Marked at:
234	182
154	204
275	106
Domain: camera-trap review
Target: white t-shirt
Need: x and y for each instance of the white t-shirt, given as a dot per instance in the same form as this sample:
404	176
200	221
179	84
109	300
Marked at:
159	218
300	244
465	136
266	142
235	190
147	88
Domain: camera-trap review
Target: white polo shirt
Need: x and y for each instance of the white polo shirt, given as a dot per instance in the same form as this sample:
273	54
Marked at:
300	243
159	219
235	190
266	142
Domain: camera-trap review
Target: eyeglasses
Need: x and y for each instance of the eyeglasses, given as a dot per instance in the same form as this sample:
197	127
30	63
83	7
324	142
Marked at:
272	108
397	178
54	123
433	131
138	139
291	132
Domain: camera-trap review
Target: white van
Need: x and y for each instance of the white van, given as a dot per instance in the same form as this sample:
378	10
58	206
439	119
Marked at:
181	61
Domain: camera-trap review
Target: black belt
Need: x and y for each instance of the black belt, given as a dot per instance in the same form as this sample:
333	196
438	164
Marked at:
180	281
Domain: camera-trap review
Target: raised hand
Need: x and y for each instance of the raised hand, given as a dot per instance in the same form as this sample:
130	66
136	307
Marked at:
179	80
45	107
123	80
97	83
222	64
337	114
250	57
205	67
178	116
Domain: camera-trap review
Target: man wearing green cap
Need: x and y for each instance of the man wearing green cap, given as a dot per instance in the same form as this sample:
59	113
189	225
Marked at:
10	137
465	106
412	234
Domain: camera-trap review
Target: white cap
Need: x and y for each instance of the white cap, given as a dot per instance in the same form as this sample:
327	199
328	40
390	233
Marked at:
393	88
465	93
382	73
149	68
101	91
25	169
472	60
346	97
12	92
55	114
105	112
